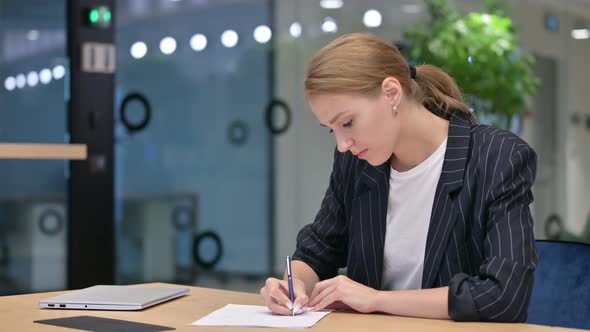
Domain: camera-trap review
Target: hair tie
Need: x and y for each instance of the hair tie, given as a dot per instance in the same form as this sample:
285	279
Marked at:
413	72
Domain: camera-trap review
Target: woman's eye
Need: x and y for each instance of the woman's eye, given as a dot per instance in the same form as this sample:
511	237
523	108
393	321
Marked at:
346	125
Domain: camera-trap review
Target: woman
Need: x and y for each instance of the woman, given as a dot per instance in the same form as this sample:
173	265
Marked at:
428	211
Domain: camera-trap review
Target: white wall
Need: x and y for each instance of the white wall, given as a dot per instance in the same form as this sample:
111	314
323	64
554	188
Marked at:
573	155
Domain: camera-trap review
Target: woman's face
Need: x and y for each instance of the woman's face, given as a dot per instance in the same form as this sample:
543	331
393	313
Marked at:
366	126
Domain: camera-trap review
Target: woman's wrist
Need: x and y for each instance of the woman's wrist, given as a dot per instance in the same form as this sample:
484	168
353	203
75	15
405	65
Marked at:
376	301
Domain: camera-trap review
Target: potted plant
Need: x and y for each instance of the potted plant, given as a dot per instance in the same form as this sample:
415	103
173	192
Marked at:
481	52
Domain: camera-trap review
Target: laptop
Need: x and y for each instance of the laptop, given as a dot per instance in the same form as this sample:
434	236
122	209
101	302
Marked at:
103	297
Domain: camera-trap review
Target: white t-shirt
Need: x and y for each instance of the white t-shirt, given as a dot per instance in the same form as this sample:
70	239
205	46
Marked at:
411	196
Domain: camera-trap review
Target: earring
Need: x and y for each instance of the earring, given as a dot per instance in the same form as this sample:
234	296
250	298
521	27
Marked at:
395	110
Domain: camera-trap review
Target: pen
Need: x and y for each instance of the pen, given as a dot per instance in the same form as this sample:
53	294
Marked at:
290	281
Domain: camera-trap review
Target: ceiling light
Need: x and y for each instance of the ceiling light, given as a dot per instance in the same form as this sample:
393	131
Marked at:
262	34
329	25
295	29
45	76
372	18
138	50
21	81
229	38
331	4
580	34
168	45
59	71
10	83
198	42
32	79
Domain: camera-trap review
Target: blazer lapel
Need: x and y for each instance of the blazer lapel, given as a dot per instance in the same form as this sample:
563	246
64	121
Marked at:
368	224
451	179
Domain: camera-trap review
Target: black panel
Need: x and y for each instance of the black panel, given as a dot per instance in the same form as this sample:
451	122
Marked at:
90	186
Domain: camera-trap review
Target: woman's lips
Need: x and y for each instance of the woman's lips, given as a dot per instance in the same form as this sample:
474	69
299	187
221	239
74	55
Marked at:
362	153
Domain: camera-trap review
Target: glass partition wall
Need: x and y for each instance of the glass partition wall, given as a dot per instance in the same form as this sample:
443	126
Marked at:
193	150
33	214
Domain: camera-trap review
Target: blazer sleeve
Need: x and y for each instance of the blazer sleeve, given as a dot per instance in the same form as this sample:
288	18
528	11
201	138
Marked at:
502	289
323	243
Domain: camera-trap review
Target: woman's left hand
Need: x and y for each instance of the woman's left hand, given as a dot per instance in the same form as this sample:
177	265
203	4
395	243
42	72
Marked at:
344	290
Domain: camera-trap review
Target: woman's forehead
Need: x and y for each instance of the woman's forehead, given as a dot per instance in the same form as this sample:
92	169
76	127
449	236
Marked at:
330	100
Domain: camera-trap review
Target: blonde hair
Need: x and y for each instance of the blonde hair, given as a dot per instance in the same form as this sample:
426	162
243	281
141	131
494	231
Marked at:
358	63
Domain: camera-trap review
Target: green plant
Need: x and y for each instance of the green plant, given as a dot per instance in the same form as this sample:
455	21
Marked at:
481	52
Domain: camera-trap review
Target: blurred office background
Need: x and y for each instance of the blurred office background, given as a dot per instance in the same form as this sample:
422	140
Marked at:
213	190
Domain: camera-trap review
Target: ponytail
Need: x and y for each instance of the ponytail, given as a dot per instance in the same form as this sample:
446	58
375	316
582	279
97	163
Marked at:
438	92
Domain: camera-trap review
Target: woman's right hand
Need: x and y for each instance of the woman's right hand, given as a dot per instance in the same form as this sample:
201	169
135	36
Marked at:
276	296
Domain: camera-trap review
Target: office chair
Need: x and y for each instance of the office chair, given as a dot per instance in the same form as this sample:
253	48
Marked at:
561	291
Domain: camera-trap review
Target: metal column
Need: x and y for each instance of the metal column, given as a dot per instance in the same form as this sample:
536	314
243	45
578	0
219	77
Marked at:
91	232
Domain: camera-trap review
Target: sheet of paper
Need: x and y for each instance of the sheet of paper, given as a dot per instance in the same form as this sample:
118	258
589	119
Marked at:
258	316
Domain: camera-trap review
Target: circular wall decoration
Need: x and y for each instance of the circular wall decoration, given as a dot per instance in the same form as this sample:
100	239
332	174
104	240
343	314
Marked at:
147	112
207	263
270	109
51	222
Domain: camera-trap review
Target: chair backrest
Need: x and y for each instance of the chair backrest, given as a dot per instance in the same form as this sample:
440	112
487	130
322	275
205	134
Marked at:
561	291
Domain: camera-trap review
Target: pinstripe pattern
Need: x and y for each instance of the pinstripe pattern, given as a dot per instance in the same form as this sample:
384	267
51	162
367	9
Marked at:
480	240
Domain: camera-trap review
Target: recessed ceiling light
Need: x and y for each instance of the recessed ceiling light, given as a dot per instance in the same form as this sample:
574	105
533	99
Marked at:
331	4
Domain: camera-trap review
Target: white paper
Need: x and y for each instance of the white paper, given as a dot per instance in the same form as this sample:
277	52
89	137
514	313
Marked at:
258	316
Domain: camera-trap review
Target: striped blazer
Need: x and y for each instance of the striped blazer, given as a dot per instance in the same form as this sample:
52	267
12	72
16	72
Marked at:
480	239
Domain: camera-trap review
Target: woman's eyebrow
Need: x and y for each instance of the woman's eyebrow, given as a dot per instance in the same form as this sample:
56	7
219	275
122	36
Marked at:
335	118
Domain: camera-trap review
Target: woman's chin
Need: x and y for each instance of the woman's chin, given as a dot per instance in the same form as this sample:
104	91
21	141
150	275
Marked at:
376	162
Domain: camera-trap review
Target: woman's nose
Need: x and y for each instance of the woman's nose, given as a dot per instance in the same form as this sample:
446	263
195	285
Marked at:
343	144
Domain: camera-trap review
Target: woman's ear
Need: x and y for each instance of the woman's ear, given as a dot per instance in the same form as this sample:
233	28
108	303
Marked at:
391	89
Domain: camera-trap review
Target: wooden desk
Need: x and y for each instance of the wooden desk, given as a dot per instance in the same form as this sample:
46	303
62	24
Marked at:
17	313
